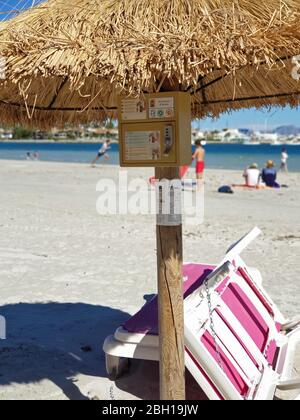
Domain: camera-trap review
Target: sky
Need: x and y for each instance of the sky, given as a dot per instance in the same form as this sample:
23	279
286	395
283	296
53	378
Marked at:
8	5
253	119
239	119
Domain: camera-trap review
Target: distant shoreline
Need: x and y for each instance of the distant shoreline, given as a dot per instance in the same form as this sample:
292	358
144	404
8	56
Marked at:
99	141
208	170
66	141
219	155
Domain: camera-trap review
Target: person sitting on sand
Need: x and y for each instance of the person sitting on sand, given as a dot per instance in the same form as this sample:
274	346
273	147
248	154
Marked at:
102	152
269	175
252	175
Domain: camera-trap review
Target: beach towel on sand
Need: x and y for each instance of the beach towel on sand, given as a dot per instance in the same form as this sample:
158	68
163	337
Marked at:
257	187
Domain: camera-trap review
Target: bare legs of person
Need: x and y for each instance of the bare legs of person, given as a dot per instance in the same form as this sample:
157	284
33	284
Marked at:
93	163
105	156
200	181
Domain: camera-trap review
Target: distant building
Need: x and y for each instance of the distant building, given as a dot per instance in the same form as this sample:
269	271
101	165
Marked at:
40	135
198	135
246	131
6	134
61	135
269	138
232	136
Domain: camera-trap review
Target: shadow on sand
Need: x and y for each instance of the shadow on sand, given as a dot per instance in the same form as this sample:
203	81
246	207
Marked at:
58	341
55	341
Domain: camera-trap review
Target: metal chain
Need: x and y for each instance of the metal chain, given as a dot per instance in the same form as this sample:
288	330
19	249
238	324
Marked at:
212	325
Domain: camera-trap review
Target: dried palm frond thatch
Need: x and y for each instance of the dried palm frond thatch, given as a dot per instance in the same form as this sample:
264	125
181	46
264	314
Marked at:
69	60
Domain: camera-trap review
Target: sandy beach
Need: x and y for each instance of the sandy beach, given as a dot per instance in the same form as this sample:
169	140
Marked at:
69	276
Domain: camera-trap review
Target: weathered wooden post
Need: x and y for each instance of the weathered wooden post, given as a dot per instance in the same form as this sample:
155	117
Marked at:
170	304
155	131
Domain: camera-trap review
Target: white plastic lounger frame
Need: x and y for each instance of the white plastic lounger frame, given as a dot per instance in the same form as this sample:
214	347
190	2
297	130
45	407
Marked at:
220	328
237	352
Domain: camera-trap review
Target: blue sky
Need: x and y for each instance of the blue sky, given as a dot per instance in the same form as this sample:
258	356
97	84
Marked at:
240	119
7	5
254	119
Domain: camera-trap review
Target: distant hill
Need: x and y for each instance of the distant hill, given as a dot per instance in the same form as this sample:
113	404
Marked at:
287	130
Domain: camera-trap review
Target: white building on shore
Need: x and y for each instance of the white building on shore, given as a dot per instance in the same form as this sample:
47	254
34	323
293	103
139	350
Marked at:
232	136
267	138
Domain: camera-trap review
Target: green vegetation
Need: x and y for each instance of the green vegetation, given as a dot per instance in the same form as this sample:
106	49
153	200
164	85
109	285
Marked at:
22	133
110	125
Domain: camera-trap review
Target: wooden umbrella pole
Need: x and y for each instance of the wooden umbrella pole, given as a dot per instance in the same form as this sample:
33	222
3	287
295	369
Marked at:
170	298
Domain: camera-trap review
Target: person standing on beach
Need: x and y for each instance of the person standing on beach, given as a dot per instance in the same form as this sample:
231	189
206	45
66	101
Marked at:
102	152
199	156
284	159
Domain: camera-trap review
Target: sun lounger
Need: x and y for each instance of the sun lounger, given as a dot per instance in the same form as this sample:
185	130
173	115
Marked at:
238	345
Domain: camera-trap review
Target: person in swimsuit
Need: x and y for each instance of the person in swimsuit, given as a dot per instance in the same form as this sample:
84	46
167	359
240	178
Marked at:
284	160
102	152
199	157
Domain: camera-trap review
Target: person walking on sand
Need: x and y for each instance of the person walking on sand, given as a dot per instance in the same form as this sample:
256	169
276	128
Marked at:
284	159
199	157
102	152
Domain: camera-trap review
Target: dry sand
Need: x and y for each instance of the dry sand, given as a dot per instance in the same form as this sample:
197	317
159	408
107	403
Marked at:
69	277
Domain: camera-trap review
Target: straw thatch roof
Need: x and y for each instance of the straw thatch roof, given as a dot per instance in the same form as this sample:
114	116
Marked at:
68	60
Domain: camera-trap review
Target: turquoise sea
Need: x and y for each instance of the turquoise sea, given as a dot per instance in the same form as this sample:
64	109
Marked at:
219	156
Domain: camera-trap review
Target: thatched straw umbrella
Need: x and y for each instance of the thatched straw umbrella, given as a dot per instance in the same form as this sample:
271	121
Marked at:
64	57
68	61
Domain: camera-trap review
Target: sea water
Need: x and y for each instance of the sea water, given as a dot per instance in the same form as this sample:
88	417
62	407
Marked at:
218	156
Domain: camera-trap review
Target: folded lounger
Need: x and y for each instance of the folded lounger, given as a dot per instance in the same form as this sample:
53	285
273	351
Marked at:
238	345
